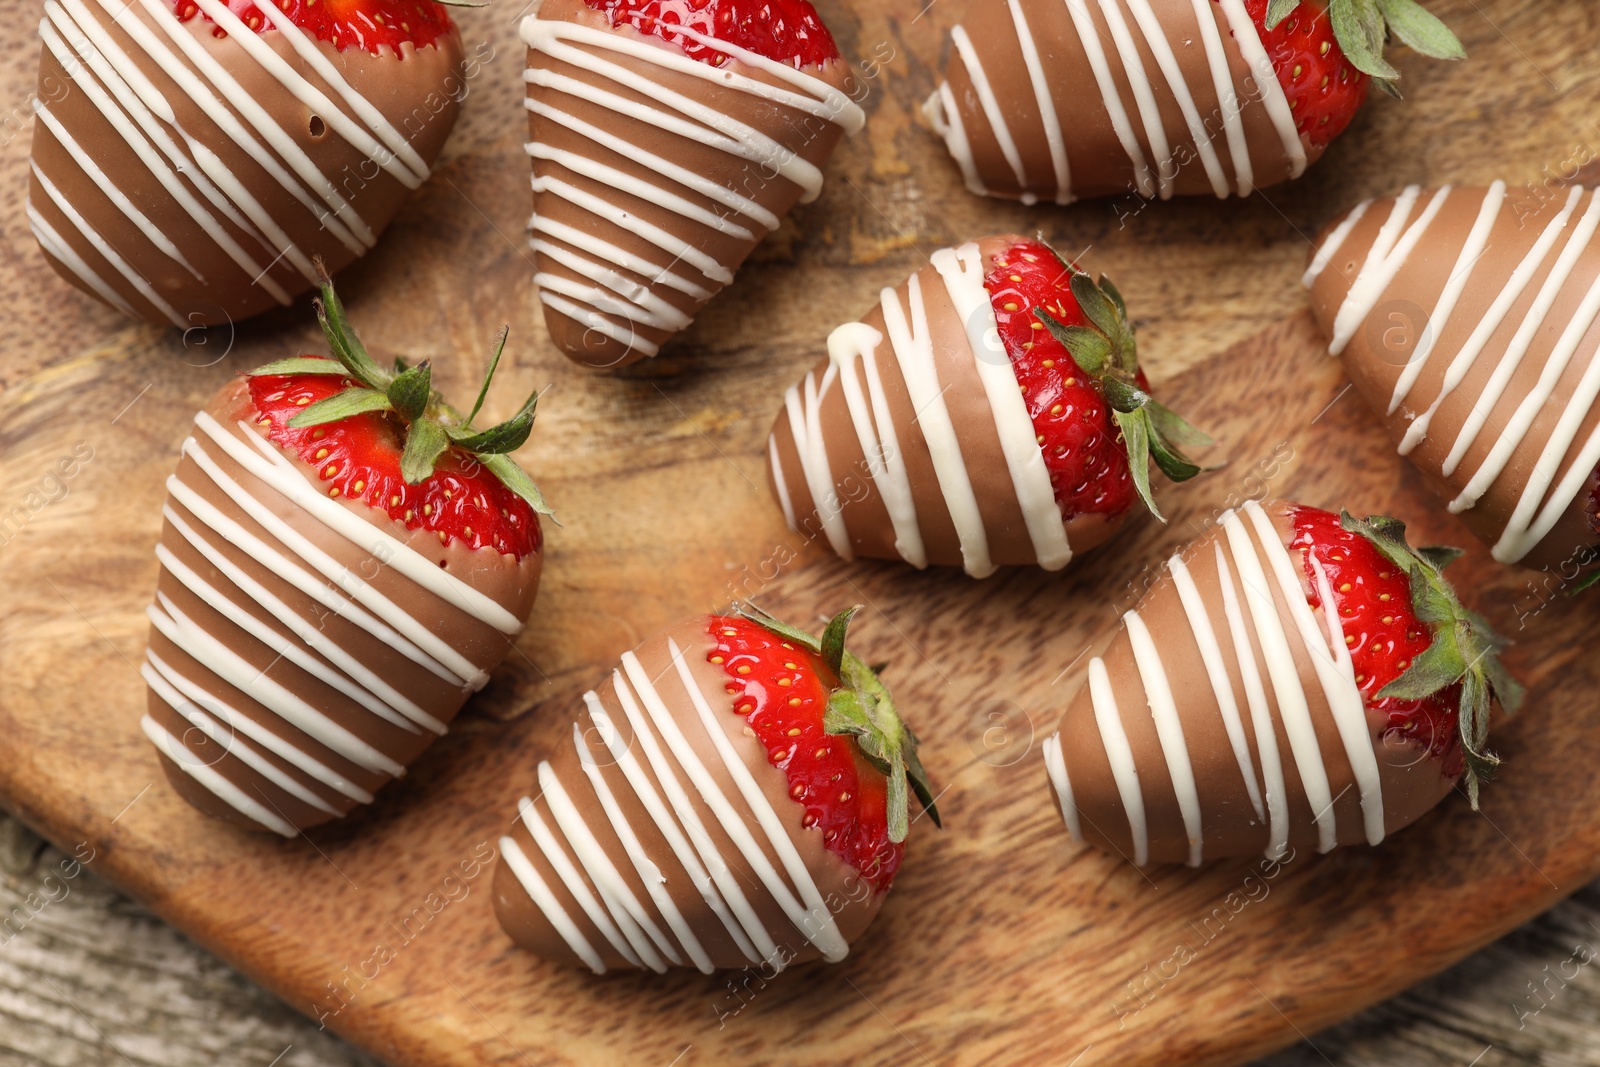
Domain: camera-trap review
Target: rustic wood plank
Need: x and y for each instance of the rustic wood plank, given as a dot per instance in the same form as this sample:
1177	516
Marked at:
658	474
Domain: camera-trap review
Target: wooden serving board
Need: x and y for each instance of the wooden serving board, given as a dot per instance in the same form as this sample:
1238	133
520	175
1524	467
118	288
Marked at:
1002	943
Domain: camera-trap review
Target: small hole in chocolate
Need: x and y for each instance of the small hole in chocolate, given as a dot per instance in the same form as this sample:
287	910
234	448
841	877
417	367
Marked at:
318	128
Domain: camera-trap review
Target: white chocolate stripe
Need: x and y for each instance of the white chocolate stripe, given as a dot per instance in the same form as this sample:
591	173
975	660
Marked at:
1273	786
615	894
557	856
1119	754
634	72
231	743
134	279
449	664
247	678
281	565
287	647
1194	609
963	274
1333	667
1294	711
1439	317
1555	479
656	732
52	243
1053	135
1381	268
1155	173
991	106
1332	243
241	723
540	894
315	638
231	794
1169	729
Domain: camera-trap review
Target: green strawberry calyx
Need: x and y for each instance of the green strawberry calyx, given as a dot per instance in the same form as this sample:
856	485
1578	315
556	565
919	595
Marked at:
1465	650
860	708
432	426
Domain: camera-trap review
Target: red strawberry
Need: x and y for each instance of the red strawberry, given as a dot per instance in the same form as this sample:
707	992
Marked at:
788	31
1381	629
1077	428
1310	679
193	174
787	743
910	441
344	559
1325	91
368	24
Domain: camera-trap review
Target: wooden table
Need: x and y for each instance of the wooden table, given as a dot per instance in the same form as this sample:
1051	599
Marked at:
93	980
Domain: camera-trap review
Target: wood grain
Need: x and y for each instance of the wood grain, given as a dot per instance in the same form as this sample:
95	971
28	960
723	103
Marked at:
1002	943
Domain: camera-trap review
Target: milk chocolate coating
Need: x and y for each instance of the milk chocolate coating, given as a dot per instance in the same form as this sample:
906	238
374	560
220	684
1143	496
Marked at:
1410	783
649	758
612	295
1429	289
179	216
237	635
1035	106
858	499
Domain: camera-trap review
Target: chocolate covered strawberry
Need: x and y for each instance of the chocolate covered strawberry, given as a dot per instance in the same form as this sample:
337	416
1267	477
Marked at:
990	411
1162	97
1465	317
736	793
344	559
193	158
667	138
1294	680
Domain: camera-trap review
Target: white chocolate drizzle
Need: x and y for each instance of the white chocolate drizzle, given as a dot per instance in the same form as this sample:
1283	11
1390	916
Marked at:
633	928
1118	70
1261	562
1555	474
106	47
623	65
853	353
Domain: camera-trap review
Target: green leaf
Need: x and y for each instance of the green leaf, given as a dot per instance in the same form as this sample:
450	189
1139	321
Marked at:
516	479
1089	348
494	362
1174	464
411	390
833	640
1588	581
1440	556
1420	30
1116	298
1175	427
301	365
1432	602
1278	10
1136	437
347	347
1096	305
1438	667
506	437
1359	28
921	784
1122	395
844	714
898	804
426	441
339	406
